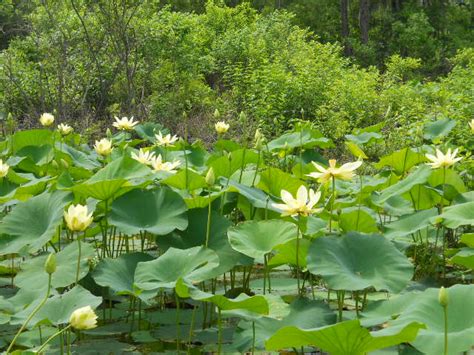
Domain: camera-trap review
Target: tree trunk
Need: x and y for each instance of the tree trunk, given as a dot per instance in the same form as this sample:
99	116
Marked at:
345	29
364	19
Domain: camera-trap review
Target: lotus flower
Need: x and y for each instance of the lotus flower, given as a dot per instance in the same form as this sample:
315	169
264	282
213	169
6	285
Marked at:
64	129
443	160
165	140
124	123
221	127
159	165
46	119
144	157
345	172
77	218
301	205
103	147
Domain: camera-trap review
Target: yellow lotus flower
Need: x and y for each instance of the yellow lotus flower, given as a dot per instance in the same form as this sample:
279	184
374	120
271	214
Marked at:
443	160
471	124
46	119
159	165
221	127
144	157
64	129
83	318
4	167
103	147
301	205
124	123
345	172
165	140
77	218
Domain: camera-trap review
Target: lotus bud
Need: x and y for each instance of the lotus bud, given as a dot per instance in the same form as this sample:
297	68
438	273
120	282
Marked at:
259	139
217	114
83	318
65	163
55	164
242	116
443	297
50	264
210	177
4	167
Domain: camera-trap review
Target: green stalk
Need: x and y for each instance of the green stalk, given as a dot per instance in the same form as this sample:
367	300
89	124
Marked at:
298	257
445	310
340	303
191	329
208	227
37	308
256	169
52	337
253	337
444	234
243	164
178	327
219	336
333	197
186	183
78	258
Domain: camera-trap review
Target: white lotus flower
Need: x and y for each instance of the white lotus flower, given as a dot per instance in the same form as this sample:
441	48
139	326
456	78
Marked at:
103	147
443	160
301	205
46	119
144	157
83	318
64	129
165	140
4	167
221	127
345	172
124	123
77	218
158	164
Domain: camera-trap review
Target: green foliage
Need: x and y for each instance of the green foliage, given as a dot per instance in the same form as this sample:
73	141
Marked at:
91	60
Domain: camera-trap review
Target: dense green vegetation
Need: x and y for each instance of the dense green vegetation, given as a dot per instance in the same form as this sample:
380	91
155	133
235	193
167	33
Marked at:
297	177
89	61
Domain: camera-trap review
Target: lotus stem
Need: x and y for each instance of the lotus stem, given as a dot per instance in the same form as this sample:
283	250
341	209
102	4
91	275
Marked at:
445	311
333	197
208	226
78	266
219	334
37	308
191	329
256	168
178	327
298	257
340	303
52	337
253	337
242	165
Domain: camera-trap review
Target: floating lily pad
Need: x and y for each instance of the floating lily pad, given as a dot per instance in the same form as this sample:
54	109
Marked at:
356	261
